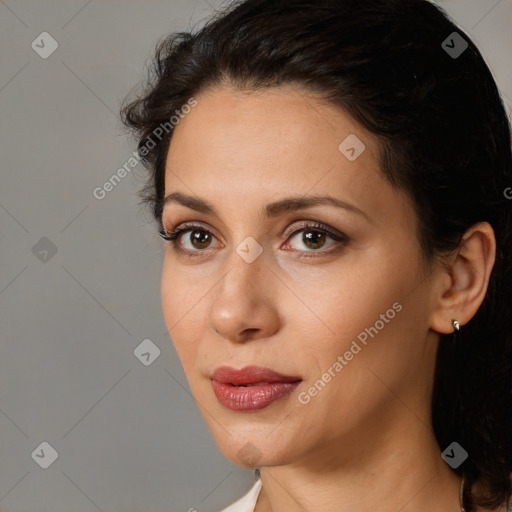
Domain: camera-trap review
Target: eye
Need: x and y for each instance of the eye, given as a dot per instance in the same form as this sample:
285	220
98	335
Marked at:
314	236
199	239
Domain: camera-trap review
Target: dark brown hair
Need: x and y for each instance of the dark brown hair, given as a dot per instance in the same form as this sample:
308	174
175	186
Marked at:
444	138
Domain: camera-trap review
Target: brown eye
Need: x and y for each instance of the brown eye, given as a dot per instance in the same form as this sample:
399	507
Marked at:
200	239
313	239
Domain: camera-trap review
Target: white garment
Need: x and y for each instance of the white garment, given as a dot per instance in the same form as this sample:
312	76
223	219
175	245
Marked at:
247	502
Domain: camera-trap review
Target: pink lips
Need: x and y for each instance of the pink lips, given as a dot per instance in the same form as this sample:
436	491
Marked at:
250	388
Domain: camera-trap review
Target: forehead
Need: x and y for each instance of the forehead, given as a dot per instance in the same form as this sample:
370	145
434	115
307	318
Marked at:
274	119
285	122
243	146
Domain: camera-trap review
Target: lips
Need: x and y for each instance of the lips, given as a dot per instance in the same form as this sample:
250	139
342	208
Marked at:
250	376
251	388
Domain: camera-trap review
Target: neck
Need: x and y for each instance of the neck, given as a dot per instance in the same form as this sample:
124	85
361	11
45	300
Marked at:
404	472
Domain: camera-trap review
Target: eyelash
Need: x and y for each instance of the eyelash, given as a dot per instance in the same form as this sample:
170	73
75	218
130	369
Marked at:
339	238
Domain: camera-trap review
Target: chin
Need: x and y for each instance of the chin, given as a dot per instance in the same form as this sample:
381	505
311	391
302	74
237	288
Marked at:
250	449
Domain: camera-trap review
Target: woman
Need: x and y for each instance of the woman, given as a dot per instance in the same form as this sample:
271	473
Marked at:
331	181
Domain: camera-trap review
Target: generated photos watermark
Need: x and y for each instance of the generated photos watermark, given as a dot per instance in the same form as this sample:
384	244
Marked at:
343	360
164	128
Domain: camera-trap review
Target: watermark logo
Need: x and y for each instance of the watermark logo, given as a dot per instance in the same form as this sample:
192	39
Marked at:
249	249
454	455
454	45
45	455
352	147
44	45
44	250
146	352
249	455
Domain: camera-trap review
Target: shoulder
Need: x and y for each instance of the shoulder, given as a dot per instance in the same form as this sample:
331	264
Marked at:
248	501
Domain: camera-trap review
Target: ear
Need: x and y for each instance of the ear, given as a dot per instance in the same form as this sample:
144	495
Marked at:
463	280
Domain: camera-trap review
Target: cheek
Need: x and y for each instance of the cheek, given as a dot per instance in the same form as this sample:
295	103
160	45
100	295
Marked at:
382	347
339	303
183	312
367	311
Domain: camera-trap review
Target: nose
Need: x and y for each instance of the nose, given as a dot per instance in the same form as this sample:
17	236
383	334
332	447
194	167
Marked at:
244	305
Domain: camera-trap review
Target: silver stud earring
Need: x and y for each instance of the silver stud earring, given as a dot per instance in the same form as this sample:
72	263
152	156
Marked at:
456	325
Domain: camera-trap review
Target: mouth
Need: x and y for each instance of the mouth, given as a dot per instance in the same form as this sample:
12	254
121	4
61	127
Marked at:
251	388
250	376
248	385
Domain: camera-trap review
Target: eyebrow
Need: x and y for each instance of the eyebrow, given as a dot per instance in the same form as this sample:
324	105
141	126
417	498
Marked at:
285	205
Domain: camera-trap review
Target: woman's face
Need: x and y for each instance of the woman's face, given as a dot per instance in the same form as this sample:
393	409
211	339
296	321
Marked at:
344	314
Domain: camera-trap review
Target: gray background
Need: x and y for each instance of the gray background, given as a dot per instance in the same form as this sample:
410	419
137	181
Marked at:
129	436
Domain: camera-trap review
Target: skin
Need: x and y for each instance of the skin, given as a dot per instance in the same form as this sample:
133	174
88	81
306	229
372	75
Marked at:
365	441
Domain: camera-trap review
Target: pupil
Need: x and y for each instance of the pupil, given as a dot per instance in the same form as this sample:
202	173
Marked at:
202	238
316	238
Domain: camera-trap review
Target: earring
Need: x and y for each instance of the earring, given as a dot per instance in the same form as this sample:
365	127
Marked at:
456	325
